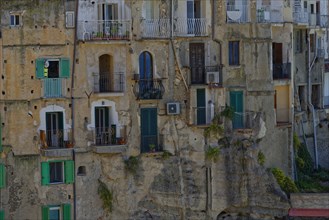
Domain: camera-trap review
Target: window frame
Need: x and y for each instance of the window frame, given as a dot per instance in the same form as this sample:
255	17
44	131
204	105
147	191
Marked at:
68	172
64	211
62	173
234	53
299	41
15	16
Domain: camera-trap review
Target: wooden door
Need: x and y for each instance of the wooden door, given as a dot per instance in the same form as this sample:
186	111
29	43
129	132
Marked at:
236	102
201	106
149	129
197	63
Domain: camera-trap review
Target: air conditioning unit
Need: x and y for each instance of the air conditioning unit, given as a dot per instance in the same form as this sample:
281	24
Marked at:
212	77
173	108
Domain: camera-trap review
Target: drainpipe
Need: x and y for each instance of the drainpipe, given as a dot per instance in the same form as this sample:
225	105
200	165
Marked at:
309	100
72	105
172	19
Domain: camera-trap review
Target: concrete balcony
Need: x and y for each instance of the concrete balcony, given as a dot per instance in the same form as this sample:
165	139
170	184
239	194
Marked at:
238	13
156	28
55	139
53	87
282	71
300	17
189	27
104	30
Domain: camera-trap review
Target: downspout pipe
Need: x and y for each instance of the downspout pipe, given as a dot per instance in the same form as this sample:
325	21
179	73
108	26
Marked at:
73	106
309	100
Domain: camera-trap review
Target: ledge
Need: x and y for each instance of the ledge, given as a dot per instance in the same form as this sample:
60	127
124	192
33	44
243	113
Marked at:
57	152
103	94
112	149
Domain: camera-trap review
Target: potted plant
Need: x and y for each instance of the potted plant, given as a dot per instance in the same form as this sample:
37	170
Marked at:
152	147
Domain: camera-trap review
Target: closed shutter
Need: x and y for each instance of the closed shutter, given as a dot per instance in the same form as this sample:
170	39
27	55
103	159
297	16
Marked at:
2	215
45	173
69	171
39	65
2	176
66	212
65	68
45	213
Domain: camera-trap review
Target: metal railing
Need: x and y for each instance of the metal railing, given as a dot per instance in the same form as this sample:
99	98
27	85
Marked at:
203	115
149	89
107	82
104	30
207	75
190	27
238	13
326	101
55	138
245	120
270	14
313	19
320	53
150	143
326	65
300	17
324	21
105	136
54	87
282	71
156	28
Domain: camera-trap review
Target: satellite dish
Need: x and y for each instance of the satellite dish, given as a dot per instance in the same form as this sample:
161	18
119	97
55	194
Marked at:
46	63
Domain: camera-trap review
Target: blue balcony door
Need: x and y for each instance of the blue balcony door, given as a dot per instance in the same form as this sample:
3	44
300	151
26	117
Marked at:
145	74
201	106
102	126
54	129
236	102
149	129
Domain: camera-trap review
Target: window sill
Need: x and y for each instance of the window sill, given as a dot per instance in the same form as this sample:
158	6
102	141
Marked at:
60	152
112	149
102	94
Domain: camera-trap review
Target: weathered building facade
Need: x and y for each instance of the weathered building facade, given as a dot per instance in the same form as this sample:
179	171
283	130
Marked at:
88	86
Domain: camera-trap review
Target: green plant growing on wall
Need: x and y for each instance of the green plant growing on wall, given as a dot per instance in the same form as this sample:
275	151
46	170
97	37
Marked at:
106	196
286	183
228	112
212	153
261	158
166	155
132	164
296	142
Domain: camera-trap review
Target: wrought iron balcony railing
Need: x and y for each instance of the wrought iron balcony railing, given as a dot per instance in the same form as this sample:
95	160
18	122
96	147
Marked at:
106	136
320	53
149	89
324	21
190	27
270	14
55	138
282	71
104	30
156	28
107	82
210	75
54	87
245	120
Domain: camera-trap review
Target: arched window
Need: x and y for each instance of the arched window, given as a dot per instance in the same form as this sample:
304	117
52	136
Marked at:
145	66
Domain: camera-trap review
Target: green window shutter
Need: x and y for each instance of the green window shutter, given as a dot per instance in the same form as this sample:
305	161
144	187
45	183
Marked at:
2	215
45	173
2	176
65	68
45	213
39	65
69	171
67	212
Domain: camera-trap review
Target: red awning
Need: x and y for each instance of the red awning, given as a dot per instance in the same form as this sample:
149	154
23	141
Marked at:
309	212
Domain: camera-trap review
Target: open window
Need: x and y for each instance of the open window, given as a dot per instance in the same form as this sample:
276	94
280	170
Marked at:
57	172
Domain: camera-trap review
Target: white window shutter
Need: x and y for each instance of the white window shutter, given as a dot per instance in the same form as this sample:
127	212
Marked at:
70	19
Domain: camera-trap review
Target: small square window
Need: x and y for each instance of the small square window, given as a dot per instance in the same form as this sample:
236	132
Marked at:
234	53
56	171
14	20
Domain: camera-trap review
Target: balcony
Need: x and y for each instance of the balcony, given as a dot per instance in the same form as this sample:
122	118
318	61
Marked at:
104	30
149	89
54	87
282	115
202	116
237	13
300	17
270	14
189	27
152	143
156	28
314	19
245	120
55	138
282	71
324	21
320	53
105	140
209	75
326	65
109	83
326	101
